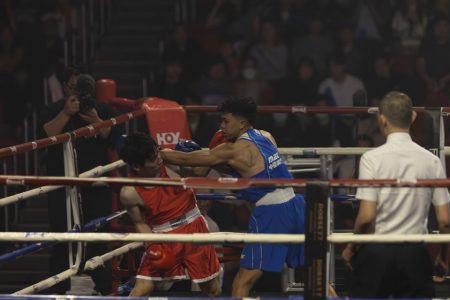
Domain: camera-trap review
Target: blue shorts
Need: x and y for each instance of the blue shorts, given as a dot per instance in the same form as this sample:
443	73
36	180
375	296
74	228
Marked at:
288	217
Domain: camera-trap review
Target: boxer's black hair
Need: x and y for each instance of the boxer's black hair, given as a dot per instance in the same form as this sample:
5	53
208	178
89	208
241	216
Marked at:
240	106
138	148
69	72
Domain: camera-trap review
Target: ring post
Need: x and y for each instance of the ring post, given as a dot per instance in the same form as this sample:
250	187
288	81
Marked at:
316	248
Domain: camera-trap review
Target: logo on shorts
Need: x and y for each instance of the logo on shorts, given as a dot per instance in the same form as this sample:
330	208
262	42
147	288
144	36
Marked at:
167	138
242	256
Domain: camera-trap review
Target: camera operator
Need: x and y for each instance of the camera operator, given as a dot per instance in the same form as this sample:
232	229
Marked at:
78	109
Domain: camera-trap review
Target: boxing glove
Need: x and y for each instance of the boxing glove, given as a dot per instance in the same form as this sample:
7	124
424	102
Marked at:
217	139
160	256
187	146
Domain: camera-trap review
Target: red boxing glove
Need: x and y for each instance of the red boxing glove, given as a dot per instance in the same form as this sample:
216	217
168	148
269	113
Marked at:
217	139
160	257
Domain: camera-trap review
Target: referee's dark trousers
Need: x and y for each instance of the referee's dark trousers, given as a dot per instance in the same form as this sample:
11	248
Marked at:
400	270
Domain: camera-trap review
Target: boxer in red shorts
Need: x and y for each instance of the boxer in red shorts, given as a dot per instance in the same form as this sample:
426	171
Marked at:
166	210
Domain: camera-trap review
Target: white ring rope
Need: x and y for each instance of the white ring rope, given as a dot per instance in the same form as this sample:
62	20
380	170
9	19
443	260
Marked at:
219	237
388	238
324	151
95	172
91	264
216	237
332	151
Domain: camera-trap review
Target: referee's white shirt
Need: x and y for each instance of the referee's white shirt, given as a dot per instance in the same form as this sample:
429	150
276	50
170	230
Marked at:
401	210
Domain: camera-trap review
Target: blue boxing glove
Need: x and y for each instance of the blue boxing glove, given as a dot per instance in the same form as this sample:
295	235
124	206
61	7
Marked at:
187	146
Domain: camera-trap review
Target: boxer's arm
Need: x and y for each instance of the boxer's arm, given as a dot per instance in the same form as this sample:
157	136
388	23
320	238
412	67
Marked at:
269	136
132	202
201	158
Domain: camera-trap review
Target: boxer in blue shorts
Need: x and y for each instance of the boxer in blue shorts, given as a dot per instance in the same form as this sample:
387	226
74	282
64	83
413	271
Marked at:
252	153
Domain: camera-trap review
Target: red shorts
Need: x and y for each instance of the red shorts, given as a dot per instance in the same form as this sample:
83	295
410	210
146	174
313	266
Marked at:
193	261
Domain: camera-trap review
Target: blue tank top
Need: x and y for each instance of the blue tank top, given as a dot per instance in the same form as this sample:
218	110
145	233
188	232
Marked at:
274	164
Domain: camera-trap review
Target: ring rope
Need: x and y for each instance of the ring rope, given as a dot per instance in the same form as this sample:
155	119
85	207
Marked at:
310	109
311	151
91	264
236	196
92	225
65	137
218	183
216	237
388	238
95	172
219	237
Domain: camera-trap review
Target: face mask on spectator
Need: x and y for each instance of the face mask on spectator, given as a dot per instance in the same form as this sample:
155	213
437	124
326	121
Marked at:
249	73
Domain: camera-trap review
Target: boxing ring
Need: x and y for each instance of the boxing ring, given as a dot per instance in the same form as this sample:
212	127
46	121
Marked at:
318	238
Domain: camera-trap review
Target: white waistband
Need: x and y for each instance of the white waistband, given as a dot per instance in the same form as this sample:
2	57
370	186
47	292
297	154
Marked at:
187	218
277	197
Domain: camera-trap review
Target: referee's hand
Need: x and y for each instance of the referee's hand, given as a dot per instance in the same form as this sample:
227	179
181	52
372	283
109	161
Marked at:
440	269
347	255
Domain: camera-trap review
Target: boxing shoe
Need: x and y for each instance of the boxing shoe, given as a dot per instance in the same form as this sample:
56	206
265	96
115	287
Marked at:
187	146
217	139
126	288
160	257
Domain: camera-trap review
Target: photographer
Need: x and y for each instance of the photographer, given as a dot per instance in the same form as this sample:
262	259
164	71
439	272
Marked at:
77	109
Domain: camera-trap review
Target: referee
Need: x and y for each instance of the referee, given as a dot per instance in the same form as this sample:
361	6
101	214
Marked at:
397	269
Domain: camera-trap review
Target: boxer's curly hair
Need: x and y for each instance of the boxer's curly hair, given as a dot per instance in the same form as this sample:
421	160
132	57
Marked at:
138	147
240	106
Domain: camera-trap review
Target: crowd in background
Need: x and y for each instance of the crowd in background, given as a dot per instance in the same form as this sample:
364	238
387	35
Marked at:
31	48
287	52
305	52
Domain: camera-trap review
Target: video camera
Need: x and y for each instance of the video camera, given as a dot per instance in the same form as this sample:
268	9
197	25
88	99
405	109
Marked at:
86	91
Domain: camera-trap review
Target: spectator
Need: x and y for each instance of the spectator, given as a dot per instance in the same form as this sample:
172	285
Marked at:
228	54
270	52
298	89
346	166
340	88
173	85
52	47
355	63
294	18
236	19
440	7
314	45
383	79
409	23
184	48
215	86
373	19
251	85
11	56
434	56
202	125
301	87
322	126
67	115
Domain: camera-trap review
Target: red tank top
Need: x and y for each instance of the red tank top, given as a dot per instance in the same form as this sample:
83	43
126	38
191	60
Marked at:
163	204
